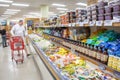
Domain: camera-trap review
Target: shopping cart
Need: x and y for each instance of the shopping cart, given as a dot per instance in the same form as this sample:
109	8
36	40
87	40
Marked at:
17	44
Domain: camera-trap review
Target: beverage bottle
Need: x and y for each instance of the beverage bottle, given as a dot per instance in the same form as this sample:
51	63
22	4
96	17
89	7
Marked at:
93	52
104	56
90	50
98	57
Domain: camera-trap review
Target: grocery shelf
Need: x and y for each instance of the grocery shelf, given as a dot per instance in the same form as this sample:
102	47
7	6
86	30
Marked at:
101	65
48	63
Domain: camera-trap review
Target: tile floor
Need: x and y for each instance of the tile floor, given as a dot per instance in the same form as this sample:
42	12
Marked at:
11	71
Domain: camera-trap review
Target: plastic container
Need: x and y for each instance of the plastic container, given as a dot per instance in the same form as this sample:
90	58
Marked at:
94	12
101	10
102	4
89	13
101	17
108	16
94	17
108	9
94	7
116	13
116	7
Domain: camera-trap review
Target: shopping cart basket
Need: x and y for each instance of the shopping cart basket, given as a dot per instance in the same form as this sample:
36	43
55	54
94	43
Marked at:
17	44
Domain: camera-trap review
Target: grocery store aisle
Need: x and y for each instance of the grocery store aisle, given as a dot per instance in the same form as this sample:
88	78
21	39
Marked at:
10	71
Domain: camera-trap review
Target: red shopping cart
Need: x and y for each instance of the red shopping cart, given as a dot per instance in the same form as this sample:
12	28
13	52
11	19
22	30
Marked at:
17	44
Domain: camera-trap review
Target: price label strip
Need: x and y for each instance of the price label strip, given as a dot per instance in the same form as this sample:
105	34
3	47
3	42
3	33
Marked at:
99	23
108	23
92	23
81	24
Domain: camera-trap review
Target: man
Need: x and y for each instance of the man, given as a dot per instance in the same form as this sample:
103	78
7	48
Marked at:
3	34
19	30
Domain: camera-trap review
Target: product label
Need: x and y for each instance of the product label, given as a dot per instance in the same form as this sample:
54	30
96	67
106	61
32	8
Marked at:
94	54
104	58
98	56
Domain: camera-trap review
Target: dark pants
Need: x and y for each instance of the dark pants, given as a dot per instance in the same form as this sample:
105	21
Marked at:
4	40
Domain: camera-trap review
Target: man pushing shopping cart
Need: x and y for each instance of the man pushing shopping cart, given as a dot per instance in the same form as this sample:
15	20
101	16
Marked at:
17	41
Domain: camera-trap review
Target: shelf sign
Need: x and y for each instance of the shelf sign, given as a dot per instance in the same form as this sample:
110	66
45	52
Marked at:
92	23
108	23
86	21
72	50
102	67
117	74
69	24
73	24
99	23
81	24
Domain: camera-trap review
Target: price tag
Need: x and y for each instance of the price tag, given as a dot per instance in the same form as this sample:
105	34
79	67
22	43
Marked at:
86	21
99	23
81	24
117	74
108	23
72	50
116	18
69	24
102	67
92	23
73	24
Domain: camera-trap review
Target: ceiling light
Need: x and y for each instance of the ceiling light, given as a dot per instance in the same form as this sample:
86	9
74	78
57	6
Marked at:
60	5
62	9
19	4
5	15
34	13
4	5
6	1
82	4
81	8
10	13
14	10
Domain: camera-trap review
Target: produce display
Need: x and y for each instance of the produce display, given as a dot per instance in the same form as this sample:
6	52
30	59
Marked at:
72	66
75	67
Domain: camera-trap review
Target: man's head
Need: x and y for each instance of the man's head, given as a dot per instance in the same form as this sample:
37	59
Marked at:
20	22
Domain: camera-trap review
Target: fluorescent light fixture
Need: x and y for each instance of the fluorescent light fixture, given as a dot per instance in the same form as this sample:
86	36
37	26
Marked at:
5	15
51	12
34	13
82	4
59	5
13	10
62	9
4	5
6	1
20	4
10	13
81	8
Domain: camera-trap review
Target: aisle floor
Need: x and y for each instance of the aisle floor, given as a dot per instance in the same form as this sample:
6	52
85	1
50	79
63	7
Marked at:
11	71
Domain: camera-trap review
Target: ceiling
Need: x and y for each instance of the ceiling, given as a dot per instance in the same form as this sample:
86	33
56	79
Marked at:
34	6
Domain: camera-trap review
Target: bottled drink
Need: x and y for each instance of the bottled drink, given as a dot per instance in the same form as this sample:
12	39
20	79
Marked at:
98	53
93	52
104	57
